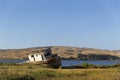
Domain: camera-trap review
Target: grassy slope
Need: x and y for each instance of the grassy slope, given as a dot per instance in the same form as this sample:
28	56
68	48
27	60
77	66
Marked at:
34	72
63	51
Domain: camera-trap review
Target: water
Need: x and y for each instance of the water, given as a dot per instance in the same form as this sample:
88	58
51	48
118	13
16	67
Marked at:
95	62
71	62
11	61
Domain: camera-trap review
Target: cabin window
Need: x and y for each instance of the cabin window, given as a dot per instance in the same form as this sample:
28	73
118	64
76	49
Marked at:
47	54
42	57
32	55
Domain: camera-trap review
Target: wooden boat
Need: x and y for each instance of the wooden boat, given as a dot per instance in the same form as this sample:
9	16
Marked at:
45	57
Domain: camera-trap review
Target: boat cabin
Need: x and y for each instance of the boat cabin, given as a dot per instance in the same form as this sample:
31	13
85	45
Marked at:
39	55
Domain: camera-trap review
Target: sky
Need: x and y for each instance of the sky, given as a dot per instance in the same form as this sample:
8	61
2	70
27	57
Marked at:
80	23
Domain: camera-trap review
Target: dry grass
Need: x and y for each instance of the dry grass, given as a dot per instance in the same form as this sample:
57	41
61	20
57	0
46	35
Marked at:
35	72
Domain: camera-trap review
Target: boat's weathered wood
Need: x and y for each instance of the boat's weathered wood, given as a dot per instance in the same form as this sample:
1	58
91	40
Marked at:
52	60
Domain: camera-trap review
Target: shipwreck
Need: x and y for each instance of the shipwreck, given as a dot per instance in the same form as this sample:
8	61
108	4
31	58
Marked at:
45	56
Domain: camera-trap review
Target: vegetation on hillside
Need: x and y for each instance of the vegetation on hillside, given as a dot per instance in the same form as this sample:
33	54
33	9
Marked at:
97	57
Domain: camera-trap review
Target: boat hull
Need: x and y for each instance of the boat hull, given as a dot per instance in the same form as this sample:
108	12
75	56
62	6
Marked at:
54	61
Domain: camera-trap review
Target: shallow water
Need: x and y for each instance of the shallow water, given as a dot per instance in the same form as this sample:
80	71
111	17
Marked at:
95	62
71	62
11	61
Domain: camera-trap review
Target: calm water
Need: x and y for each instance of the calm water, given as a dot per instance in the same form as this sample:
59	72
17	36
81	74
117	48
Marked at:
11	61
95	62
72	62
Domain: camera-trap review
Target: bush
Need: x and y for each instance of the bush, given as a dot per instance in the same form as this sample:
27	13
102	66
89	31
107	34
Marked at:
24	77
69	50
86	65
30	67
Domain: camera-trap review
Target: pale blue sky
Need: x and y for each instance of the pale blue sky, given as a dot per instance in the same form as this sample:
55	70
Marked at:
81	23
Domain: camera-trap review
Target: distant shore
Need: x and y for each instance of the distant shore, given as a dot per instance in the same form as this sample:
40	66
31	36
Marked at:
65	52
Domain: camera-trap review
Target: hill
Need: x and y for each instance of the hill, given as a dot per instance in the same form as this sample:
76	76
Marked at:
64	52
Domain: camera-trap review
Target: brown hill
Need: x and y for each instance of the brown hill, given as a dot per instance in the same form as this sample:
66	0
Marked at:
64	52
